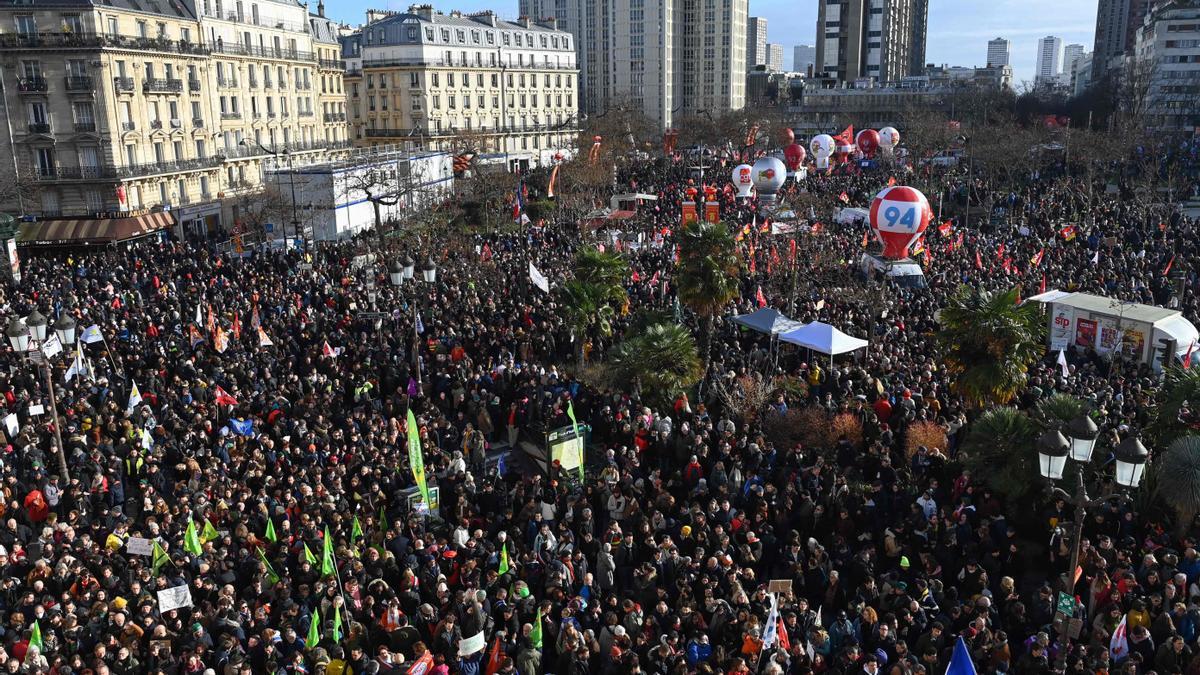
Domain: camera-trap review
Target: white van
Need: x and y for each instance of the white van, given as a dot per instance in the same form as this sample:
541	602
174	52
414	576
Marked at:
905	271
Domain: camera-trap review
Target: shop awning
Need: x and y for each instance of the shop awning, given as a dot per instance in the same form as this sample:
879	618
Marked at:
92	231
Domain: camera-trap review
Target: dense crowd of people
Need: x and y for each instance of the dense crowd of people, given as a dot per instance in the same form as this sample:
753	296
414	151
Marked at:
242	431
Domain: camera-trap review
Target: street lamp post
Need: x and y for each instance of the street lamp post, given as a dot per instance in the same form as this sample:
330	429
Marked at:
1053	450
429	276
291	180
19	337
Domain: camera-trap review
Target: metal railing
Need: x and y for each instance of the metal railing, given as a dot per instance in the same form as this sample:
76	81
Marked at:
75	173
90	40
227	82
335	117
79	83
32	85
128	126
177	166
39	127
161	85
198	122
236	49
515	129
193	85
337	64
123	83
85	127
305	113
156	124
231	115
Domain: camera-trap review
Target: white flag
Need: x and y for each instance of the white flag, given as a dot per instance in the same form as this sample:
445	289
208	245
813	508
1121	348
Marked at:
1096	258
771	630
263	340
147	442
52	347
135	398
538	279
1118	646
199	317
91	334
1062	362
77	367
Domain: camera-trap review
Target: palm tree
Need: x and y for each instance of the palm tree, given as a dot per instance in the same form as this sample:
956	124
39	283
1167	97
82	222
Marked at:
1180	392
662	360
1177	479
708	273
989	343
1057	411
594	294
999	448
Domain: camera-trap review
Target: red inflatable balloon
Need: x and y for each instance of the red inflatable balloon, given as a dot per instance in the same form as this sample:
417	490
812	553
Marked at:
868	142
793	156
787	136
899	216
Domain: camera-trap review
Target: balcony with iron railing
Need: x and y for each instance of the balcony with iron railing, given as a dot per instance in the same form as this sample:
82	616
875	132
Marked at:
161	85
231	115
156	124
123	84
335	117
194	85
198	122
79	83
515	129
86	127
305	113
236	49
128	126
74	172
227	82
32	85
89	40
304	86
177	166
39	127
331	64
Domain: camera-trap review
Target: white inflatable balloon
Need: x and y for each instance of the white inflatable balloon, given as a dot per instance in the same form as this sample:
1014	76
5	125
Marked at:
743	179
889	138
821	146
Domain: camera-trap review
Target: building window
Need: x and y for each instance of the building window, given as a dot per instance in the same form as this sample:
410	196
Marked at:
412	33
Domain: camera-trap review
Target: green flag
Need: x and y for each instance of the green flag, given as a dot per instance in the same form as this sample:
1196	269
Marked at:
35	637
383	523
191	540
535	635
314	629
337	624
308	556
158	557
503	560
575	428
270	535
210	532
270	570
415	459
356	531
327	554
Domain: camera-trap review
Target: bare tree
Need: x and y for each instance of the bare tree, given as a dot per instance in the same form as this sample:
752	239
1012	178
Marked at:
19	189
388	183
1133	90
257	209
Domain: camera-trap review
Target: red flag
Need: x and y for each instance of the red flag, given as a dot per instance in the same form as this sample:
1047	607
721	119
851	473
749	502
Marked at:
891	181
236	327
654	279
774	255
959	241
553	178
816	227
753	267
329	351
792	252
223	398
844	197
781	636
1000	252
495	656
978	261
1037	259
486	253
944	229
636	277
1042	288
760	298
211	324
1167	269
1187	358
1007	265
865	235
255	321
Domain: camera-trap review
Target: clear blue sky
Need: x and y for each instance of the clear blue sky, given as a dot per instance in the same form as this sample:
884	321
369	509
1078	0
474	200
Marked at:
958	29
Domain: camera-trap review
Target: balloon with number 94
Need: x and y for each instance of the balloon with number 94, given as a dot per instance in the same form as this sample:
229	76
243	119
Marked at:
899	216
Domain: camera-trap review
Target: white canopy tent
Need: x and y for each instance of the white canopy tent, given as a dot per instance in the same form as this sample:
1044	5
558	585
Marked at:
767	320
823	338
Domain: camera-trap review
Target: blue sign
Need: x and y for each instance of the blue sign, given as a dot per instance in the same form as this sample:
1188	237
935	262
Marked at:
269	227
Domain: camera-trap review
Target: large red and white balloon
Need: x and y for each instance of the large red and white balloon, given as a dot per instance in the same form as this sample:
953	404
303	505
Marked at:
868	142
899	216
